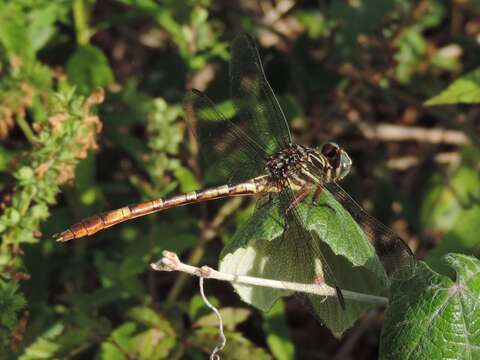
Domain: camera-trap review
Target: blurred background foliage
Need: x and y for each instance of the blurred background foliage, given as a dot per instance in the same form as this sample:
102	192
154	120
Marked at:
357	72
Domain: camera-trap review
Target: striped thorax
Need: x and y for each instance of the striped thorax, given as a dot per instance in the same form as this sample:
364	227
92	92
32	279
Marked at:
297	166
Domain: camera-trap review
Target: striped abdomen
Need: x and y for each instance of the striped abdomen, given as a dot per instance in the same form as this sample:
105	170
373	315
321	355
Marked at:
102	221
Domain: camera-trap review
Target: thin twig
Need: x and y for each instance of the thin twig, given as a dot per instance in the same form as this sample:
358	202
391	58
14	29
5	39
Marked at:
406	162
276	13
171	262
388	132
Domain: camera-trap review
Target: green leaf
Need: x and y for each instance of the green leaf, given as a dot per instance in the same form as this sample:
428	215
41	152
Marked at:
14	35
276	327
462	238
25	173
42	22
433	15
446	200
315	23
41	349
432	317
127	342
231	318
186	179
195	307
412	46
119	343
465	89
88	68
153	344
44	346
257	249
149	317
237	347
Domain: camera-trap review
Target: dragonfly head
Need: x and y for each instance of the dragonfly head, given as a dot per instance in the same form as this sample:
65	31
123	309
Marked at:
338	159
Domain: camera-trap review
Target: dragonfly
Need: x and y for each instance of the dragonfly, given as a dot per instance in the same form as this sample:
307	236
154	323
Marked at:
260	157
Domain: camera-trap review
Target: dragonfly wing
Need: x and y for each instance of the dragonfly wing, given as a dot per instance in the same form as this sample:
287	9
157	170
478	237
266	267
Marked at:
304	255
239	147
253	97
223	144
391	249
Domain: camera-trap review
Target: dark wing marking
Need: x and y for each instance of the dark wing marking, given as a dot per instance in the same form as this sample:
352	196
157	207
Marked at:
391	249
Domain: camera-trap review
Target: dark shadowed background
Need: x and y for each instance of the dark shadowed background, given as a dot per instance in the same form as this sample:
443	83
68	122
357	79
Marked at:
354	72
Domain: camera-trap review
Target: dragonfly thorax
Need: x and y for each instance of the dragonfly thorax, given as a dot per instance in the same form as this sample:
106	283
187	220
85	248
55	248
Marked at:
297	166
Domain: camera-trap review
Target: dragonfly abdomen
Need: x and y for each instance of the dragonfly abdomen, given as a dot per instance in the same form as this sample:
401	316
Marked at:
107	219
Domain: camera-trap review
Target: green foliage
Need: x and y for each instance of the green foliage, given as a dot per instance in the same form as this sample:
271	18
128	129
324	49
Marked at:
465	89
27	26
412	54
276	328
257	250
39	175
44	347
237	348
79	328
149	337
166	135
231	318
11	302
186	24
452	205
447	198
432	317
88	68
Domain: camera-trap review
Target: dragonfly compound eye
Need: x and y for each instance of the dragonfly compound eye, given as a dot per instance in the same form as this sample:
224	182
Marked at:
332	152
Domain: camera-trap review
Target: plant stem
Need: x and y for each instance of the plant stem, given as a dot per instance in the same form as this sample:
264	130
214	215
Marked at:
171	262
80	18
27	130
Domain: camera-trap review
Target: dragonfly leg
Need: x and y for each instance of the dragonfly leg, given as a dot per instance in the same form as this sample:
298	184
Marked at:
316	195
302	194
340	297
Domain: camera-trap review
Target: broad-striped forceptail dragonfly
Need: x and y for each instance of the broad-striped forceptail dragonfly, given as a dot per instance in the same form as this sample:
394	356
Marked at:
267	163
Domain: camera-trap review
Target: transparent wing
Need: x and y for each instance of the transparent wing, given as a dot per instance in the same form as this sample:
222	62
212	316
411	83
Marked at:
225	148
256	104
390	248
237	148
303	260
